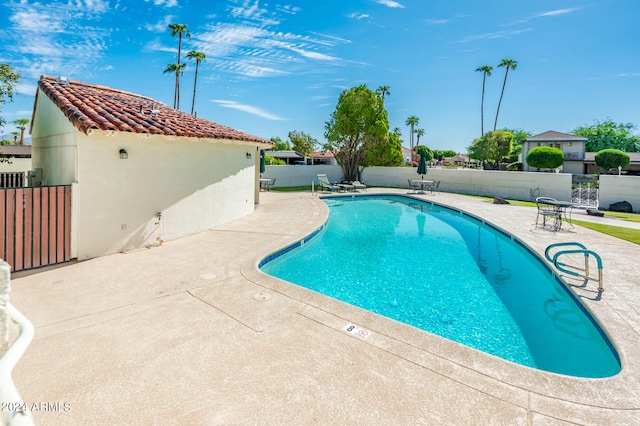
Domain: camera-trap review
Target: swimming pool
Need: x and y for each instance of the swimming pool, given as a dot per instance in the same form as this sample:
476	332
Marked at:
450	274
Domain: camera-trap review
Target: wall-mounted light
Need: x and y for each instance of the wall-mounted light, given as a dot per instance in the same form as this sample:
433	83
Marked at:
248	155
123	154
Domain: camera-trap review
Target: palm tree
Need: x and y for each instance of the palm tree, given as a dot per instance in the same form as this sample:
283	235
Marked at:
22	125
199	57
486	72
179	30
509	64
419	132
412	121
178	69
384	90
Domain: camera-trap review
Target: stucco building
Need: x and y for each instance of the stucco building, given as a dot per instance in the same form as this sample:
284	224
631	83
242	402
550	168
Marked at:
141	172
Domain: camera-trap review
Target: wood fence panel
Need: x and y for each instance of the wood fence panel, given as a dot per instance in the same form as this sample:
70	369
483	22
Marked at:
35	226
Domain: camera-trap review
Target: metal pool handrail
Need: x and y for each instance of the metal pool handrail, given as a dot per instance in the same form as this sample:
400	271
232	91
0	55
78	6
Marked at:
580	250
16	412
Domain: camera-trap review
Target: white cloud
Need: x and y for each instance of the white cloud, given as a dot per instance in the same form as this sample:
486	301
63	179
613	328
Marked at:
292	10
26	89
161	26
495	35
247	108
56	38
557	12
163	3
390	3
97	6
357	16
253	51
314	55
436	21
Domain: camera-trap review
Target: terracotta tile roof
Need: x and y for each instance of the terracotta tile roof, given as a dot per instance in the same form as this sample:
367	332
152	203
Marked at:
552	136
93	107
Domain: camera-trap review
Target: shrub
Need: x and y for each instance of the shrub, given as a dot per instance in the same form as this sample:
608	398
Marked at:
545	157
515	167
612	158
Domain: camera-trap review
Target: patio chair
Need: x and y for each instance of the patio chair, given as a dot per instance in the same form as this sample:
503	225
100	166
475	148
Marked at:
433	187
323	182
357	185
268	185
413	185
548	212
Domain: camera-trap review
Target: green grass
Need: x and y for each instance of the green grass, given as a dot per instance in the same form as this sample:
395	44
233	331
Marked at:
628	234
291	188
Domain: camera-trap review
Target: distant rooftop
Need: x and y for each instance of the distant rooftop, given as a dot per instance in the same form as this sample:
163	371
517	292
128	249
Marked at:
553	136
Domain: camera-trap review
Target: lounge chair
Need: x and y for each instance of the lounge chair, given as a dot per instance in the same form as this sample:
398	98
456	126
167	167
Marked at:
323	182
359	185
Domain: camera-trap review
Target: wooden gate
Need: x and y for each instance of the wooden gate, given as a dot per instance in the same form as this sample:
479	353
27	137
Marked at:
35	226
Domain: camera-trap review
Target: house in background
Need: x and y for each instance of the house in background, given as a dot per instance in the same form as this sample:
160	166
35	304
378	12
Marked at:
141	172
290	157
324	157
572	146
14	170
633	168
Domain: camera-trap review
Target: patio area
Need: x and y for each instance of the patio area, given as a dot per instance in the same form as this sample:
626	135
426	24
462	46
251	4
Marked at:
191	332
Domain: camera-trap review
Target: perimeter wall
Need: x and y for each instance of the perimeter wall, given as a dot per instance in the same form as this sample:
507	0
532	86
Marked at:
488	183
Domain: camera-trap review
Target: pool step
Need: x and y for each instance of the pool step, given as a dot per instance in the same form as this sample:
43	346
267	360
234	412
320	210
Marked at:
581	249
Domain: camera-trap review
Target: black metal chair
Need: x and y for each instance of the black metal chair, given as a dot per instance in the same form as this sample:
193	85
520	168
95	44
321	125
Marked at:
548	212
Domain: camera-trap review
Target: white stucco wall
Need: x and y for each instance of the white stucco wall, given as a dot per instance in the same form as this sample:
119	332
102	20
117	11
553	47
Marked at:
615	188
53	143
514	185
194	184
17	165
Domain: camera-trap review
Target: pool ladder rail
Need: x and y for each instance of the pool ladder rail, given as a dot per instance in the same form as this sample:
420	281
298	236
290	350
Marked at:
581	249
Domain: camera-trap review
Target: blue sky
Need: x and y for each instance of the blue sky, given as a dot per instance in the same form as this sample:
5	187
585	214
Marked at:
273	67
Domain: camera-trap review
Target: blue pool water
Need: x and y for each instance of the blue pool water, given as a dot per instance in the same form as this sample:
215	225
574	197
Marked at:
447	273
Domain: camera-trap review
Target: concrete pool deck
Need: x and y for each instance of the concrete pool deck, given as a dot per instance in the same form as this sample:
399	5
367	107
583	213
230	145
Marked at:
191	332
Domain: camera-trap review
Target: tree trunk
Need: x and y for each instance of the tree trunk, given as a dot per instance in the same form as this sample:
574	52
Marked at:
195	80
495	124
482	107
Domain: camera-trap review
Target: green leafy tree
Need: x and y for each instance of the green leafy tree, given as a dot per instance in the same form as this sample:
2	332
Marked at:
198	57
607	134
612	159
387	152
280	144
303	143
439	153
178	70
272	161
519	135
358	123
426	152
486	72
8	80
179	30
21	123
508	64
545	157
492	147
